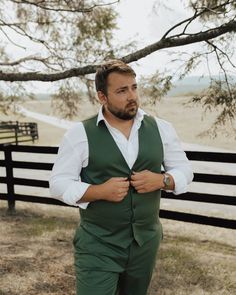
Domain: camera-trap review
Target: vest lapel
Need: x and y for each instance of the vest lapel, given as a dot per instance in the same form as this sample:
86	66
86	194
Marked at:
112	141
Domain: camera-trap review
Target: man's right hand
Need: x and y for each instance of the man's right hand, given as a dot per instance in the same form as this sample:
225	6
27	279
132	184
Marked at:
113	190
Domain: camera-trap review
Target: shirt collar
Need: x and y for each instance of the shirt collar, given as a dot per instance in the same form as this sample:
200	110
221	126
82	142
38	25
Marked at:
138	118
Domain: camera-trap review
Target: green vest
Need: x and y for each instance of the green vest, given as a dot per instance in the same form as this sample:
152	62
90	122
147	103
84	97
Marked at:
137	215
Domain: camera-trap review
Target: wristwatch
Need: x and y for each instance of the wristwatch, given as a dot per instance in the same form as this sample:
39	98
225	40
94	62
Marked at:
166	181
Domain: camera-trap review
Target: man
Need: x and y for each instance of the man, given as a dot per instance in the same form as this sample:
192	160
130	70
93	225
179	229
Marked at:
110	166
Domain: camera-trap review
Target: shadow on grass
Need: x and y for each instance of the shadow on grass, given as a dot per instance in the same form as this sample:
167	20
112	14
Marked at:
2	292
187	266
184	266
32	224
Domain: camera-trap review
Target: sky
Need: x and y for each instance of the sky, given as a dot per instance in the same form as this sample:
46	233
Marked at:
146	23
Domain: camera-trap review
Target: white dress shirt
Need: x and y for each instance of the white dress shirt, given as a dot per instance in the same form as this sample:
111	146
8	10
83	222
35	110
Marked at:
73	154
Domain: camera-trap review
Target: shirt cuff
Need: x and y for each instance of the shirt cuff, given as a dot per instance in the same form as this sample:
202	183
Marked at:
180	181
74	193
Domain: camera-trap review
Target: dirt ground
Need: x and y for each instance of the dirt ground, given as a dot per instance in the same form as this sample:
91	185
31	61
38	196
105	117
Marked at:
37	255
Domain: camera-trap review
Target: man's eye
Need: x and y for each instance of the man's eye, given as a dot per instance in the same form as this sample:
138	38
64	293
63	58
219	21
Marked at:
121	91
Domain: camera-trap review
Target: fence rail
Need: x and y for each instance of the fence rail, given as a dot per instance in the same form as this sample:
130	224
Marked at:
13	132
12	197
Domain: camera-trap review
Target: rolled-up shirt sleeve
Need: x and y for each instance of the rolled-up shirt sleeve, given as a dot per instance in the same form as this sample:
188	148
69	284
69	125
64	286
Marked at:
175	161
65	183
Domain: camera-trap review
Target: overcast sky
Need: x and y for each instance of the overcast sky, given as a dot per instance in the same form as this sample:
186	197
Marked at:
146	22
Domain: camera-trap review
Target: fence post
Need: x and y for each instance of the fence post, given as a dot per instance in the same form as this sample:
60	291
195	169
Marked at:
16	132
10	181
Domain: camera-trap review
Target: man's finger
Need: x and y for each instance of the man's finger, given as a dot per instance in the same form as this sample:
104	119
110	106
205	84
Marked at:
126	184
135	177
122	191
140	191
139	172
120	178
140	186
137	183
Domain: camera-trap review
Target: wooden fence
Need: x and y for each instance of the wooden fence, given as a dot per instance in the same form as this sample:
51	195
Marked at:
12	197
14	132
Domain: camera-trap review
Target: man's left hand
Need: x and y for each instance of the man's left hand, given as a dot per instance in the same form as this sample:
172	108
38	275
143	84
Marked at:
146	181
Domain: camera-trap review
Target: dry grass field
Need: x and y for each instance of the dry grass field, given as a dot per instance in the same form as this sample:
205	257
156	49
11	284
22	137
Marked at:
189	122
37	255
36	252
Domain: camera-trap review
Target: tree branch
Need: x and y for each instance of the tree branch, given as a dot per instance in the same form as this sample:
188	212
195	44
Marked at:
10	40
19	30
216	49
45	61
222	52
176	41
163	43
24	59
44	7
195	15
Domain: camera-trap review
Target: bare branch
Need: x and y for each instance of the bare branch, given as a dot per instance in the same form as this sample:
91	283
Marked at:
178	25
222	52
89	69
22	32
196	14
44	7
214	8
182	40
222	67
24	59
44	61
10	40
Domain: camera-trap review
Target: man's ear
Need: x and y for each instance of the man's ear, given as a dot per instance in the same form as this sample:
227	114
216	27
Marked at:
102	97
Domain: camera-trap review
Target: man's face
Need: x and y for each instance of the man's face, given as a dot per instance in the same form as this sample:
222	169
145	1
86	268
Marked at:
122	99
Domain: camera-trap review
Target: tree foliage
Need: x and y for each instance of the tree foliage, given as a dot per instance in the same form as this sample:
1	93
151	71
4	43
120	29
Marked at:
154	87
219	98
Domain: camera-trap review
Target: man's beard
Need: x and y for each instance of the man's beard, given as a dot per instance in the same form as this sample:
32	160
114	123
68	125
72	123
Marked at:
128	113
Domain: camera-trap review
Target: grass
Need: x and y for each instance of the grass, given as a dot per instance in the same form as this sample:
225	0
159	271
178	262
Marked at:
37	256
192	266
37	226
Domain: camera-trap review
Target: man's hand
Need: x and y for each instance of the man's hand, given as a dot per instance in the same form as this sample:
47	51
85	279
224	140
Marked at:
146	181
115	189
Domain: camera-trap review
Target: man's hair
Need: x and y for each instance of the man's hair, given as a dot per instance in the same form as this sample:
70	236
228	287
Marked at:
107	68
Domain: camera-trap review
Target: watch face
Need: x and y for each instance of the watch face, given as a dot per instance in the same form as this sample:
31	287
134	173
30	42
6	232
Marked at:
166	180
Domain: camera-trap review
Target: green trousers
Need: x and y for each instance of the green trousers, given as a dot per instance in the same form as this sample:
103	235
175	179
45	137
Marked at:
105	269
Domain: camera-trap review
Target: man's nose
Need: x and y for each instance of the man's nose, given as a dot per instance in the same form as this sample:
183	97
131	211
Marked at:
132	95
